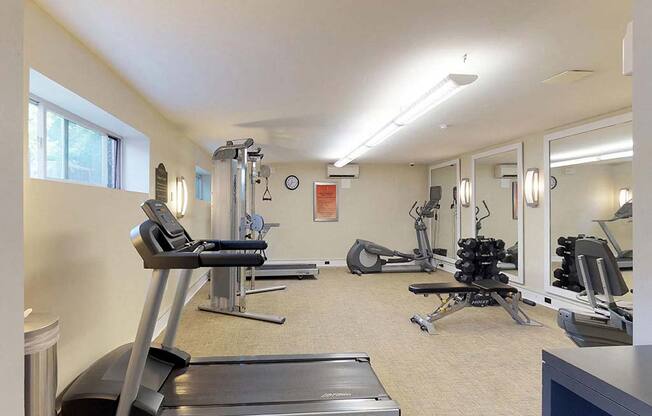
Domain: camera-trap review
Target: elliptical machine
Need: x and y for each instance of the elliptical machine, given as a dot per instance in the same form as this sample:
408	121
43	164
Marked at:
368	257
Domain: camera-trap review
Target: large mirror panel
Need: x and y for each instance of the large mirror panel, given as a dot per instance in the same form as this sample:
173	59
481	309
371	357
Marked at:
496	199
590	194
445	226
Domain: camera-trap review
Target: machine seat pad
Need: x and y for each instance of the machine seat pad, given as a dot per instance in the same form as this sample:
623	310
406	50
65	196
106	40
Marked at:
453	287
491	285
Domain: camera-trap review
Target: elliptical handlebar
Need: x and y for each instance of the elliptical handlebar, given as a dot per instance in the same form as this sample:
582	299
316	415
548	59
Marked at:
412	208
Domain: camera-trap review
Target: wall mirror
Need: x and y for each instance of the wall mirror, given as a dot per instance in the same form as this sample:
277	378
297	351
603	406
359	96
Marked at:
496	199
445	227
590	193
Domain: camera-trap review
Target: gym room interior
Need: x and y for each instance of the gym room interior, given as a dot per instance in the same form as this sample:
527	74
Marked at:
328	207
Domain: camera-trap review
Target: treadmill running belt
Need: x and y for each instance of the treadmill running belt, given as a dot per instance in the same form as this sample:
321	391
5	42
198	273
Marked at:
271	383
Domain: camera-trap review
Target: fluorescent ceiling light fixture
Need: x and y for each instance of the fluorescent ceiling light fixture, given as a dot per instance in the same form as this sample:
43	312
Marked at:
446	88
591	159
380	136
342	162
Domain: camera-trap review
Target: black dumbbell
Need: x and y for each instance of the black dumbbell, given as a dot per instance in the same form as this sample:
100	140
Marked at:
567	242
561	274
561	251
486	246
466	254
463	277
465	266
503	278
467	243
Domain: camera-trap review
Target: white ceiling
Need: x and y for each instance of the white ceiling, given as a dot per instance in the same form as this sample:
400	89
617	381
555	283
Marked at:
312	79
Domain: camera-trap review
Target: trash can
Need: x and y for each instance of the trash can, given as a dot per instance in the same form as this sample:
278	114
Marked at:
41	336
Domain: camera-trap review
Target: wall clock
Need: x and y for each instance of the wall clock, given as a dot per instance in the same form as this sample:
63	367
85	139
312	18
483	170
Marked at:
553	182
292	182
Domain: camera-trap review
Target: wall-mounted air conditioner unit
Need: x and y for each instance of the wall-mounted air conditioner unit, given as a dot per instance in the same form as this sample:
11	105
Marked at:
505	171
346	172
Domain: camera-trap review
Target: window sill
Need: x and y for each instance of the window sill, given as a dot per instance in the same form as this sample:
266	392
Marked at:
92	185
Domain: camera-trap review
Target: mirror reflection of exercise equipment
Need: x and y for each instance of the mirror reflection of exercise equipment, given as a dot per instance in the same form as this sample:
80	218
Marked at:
445	226
496	203
624	257
589	195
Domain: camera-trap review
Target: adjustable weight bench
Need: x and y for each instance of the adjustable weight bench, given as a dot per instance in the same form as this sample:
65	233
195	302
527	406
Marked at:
460	295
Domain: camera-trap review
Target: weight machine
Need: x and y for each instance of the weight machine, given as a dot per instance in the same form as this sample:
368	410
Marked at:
234	164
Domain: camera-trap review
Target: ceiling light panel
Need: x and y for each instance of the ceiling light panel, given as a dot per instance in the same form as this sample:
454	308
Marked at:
446	88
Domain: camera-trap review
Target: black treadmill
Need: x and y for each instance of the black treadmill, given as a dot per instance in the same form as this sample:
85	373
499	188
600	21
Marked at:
143	379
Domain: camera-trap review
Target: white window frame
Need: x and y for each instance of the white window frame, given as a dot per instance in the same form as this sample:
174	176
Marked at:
43	107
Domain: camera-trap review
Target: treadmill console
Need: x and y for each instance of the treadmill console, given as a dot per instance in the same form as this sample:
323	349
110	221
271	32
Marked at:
158	212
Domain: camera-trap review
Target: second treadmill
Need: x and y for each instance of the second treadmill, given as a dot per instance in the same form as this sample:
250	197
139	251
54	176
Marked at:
300	270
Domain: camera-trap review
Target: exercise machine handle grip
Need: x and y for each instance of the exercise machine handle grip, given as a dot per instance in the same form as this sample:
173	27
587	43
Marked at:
213	259
239	244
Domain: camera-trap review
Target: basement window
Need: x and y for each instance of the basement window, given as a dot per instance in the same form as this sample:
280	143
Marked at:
63	146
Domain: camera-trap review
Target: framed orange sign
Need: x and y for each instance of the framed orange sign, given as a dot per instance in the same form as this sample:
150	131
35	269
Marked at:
325	202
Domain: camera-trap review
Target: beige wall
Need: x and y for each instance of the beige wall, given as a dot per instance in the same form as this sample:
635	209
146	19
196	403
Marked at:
11	220
375	208
81	263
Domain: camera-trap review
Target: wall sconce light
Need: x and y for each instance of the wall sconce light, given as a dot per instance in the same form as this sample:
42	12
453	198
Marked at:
532	187
182	197
624	196
465	192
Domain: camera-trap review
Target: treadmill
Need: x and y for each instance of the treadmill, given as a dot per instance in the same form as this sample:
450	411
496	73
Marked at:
610	323
143	379
624	258
300	270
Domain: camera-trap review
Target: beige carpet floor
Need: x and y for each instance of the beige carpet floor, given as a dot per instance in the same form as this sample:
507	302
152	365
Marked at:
480	363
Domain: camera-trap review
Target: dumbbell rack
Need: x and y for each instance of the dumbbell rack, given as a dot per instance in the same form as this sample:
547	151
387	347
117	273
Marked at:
566	275
478	260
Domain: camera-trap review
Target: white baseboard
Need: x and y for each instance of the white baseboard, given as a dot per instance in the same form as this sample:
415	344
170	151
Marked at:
446	266
551	301
319	263
162	320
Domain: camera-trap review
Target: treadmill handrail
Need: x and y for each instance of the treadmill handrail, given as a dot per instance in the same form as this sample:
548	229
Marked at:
239	244
215	259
